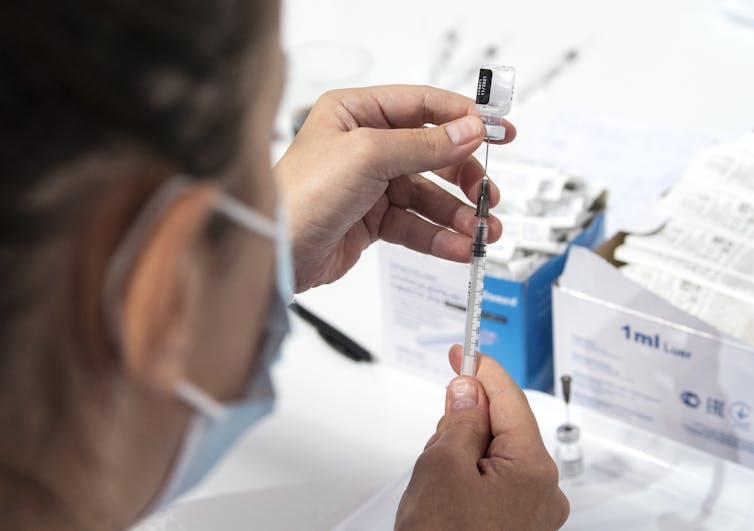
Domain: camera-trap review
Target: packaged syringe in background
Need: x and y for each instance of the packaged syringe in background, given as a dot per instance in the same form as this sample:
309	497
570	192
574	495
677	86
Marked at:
542	210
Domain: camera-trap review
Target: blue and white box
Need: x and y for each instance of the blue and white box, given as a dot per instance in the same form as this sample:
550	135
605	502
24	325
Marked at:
424	301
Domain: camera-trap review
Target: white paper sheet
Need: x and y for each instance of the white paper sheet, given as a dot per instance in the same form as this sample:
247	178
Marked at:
701	245
708	277
728	314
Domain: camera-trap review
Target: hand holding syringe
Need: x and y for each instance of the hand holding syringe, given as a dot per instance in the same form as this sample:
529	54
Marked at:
493	101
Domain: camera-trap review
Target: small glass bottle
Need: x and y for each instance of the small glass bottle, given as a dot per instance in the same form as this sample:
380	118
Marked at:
494	97
569	455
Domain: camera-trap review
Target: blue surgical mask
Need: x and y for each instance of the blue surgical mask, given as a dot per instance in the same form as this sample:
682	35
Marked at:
217	426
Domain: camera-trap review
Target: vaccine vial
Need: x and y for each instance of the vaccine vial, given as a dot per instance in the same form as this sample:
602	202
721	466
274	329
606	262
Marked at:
569	455
494	97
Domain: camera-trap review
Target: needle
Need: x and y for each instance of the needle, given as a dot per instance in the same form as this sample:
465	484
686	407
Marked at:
486	156
476	278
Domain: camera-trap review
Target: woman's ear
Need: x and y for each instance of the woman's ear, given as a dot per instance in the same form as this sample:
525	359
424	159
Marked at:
158	302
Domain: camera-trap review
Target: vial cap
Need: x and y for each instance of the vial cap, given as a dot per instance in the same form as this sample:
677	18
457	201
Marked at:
568	433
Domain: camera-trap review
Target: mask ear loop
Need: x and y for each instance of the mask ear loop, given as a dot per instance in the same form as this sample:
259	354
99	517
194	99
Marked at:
119	269
190	394
244	216
240	213
125	254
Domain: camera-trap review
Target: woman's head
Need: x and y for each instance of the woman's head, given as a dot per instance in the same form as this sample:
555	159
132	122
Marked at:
100	103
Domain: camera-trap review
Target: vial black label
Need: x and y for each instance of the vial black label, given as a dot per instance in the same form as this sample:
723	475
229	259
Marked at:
484	86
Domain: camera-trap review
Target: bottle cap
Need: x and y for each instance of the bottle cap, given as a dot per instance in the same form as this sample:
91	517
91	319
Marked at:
568	433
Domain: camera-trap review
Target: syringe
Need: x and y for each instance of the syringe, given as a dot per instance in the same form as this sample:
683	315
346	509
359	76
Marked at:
493	101
476	280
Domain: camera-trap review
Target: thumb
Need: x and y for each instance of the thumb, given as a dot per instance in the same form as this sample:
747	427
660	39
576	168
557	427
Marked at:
465	428
406	151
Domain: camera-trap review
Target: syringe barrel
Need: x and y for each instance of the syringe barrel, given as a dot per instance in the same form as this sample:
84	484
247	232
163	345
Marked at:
473	316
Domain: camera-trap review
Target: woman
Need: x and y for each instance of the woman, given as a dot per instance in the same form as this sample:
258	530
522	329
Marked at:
145	260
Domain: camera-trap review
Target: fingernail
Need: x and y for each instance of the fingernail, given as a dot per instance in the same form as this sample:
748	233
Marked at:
464	130
463	394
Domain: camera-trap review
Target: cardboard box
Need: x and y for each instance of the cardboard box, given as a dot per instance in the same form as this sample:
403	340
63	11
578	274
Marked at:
424	302
637	358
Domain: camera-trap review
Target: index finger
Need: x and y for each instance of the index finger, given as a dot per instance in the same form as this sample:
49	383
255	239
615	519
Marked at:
408	106
467	175
510	413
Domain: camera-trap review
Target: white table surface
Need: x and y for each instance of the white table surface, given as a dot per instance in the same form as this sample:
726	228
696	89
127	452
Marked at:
342	430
